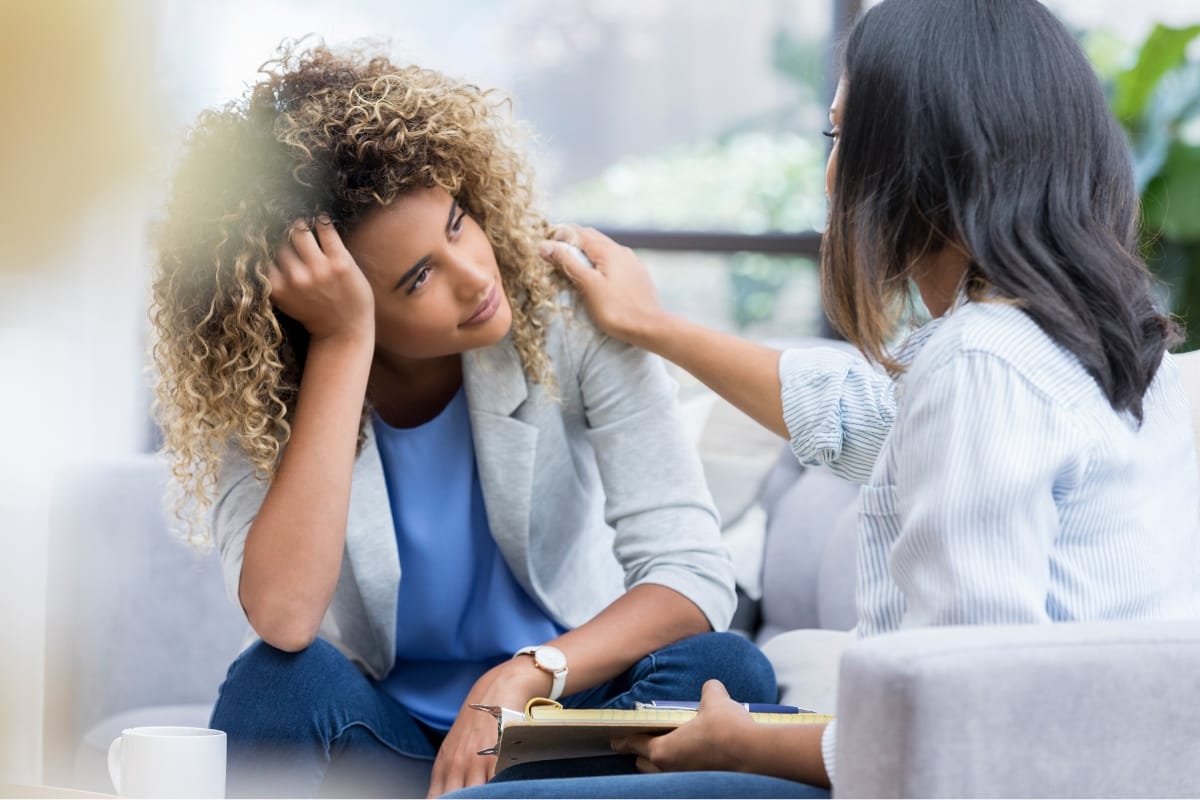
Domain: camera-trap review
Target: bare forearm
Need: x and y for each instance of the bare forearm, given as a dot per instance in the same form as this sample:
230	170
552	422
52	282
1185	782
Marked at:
294	548
792	752
646	618
744	373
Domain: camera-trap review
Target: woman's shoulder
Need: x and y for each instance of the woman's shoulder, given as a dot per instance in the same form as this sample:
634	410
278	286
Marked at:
571	335
569	315
1003	336
587	361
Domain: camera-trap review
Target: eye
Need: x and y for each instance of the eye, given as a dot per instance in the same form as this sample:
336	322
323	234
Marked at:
832	133
456	226
419	281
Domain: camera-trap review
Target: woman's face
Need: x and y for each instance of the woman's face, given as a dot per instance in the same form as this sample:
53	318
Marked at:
436	283
835	129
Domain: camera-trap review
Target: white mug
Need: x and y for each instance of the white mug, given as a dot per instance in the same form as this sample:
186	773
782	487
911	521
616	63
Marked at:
168	762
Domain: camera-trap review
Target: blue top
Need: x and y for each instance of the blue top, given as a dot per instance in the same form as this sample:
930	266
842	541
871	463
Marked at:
460	610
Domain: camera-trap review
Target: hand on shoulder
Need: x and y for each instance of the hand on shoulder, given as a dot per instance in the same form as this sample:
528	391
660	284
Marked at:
617	288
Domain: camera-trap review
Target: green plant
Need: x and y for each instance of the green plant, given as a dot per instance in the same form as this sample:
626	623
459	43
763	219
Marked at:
1157	100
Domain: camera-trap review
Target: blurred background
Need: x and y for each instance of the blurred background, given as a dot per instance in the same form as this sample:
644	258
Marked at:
690	130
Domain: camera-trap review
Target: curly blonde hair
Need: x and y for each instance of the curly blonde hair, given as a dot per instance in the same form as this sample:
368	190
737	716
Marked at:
323	132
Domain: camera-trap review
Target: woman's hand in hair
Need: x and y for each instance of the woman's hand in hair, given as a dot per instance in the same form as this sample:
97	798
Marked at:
618	291
316	281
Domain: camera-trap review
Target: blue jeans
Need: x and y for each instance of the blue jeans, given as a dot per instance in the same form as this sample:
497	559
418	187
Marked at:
308	722
660	784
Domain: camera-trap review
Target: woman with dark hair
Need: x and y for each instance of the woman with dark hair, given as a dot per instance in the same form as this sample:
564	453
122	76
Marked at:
1028	457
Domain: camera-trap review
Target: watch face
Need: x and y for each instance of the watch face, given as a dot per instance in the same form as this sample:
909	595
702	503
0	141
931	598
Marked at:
550	658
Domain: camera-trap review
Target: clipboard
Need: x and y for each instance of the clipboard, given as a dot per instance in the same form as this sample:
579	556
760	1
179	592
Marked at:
547	731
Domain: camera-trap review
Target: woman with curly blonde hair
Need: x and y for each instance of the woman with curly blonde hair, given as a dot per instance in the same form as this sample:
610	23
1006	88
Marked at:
430	484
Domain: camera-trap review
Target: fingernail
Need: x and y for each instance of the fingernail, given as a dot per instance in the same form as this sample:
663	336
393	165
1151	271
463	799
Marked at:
545	249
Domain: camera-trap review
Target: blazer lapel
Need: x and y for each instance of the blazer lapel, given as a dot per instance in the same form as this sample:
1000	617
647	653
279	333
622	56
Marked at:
505	448
374	559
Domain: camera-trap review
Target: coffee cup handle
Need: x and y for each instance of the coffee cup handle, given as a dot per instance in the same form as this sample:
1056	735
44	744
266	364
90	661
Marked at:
114	763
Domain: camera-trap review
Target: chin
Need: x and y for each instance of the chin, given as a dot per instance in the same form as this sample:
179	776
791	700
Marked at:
493	331
499	325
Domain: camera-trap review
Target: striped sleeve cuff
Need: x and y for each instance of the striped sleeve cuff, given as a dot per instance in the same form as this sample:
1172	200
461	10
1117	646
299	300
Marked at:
829	749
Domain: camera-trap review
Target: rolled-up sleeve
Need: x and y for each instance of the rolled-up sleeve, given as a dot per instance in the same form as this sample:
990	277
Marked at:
656	497
838	409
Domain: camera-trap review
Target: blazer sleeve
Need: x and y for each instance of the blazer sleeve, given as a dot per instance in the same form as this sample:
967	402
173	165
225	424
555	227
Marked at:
656	497
239	495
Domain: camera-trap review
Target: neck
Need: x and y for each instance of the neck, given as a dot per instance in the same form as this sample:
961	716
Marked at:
939	276
411	392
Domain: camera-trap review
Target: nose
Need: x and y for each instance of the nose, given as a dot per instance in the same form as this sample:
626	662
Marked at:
472	279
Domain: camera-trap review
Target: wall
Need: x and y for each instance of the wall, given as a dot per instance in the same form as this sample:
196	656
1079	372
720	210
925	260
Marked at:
72	267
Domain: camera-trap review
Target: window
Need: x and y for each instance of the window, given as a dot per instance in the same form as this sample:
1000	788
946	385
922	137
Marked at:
689	130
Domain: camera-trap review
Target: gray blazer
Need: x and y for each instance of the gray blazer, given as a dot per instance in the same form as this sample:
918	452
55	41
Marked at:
587	495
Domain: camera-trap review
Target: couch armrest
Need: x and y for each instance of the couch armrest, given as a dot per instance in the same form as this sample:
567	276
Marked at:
1108	709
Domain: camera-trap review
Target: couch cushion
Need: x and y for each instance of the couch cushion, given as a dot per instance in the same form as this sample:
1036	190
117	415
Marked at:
1189	376
808	562
806	667
736	453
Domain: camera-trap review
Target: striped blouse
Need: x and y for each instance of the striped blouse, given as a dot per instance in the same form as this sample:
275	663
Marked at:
1000	485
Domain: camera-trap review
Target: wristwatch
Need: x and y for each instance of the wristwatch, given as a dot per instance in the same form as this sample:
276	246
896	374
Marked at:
548	659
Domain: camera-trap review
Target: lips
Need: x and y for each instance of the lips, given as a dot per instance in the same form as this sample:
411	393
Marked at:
486	310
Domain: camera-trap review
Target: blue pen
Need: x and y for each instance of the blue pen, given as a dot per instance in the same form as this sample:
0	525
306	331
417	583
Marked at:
693	705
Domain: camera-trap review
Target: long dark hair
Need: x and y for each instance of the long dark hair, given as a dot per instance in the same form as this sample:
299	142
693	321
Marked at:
980	124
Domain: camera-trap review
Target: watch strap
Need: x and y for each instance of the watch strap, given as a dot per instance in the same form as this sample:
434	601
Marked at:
559	677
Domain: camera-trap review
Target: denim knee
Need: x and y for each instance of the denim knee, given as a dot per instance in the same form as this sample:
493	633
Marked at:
737	663
268	690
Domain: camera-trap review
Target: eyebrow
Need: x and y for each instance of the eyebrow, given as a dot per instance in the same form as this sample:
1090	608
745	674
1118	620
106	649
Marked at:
417	267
